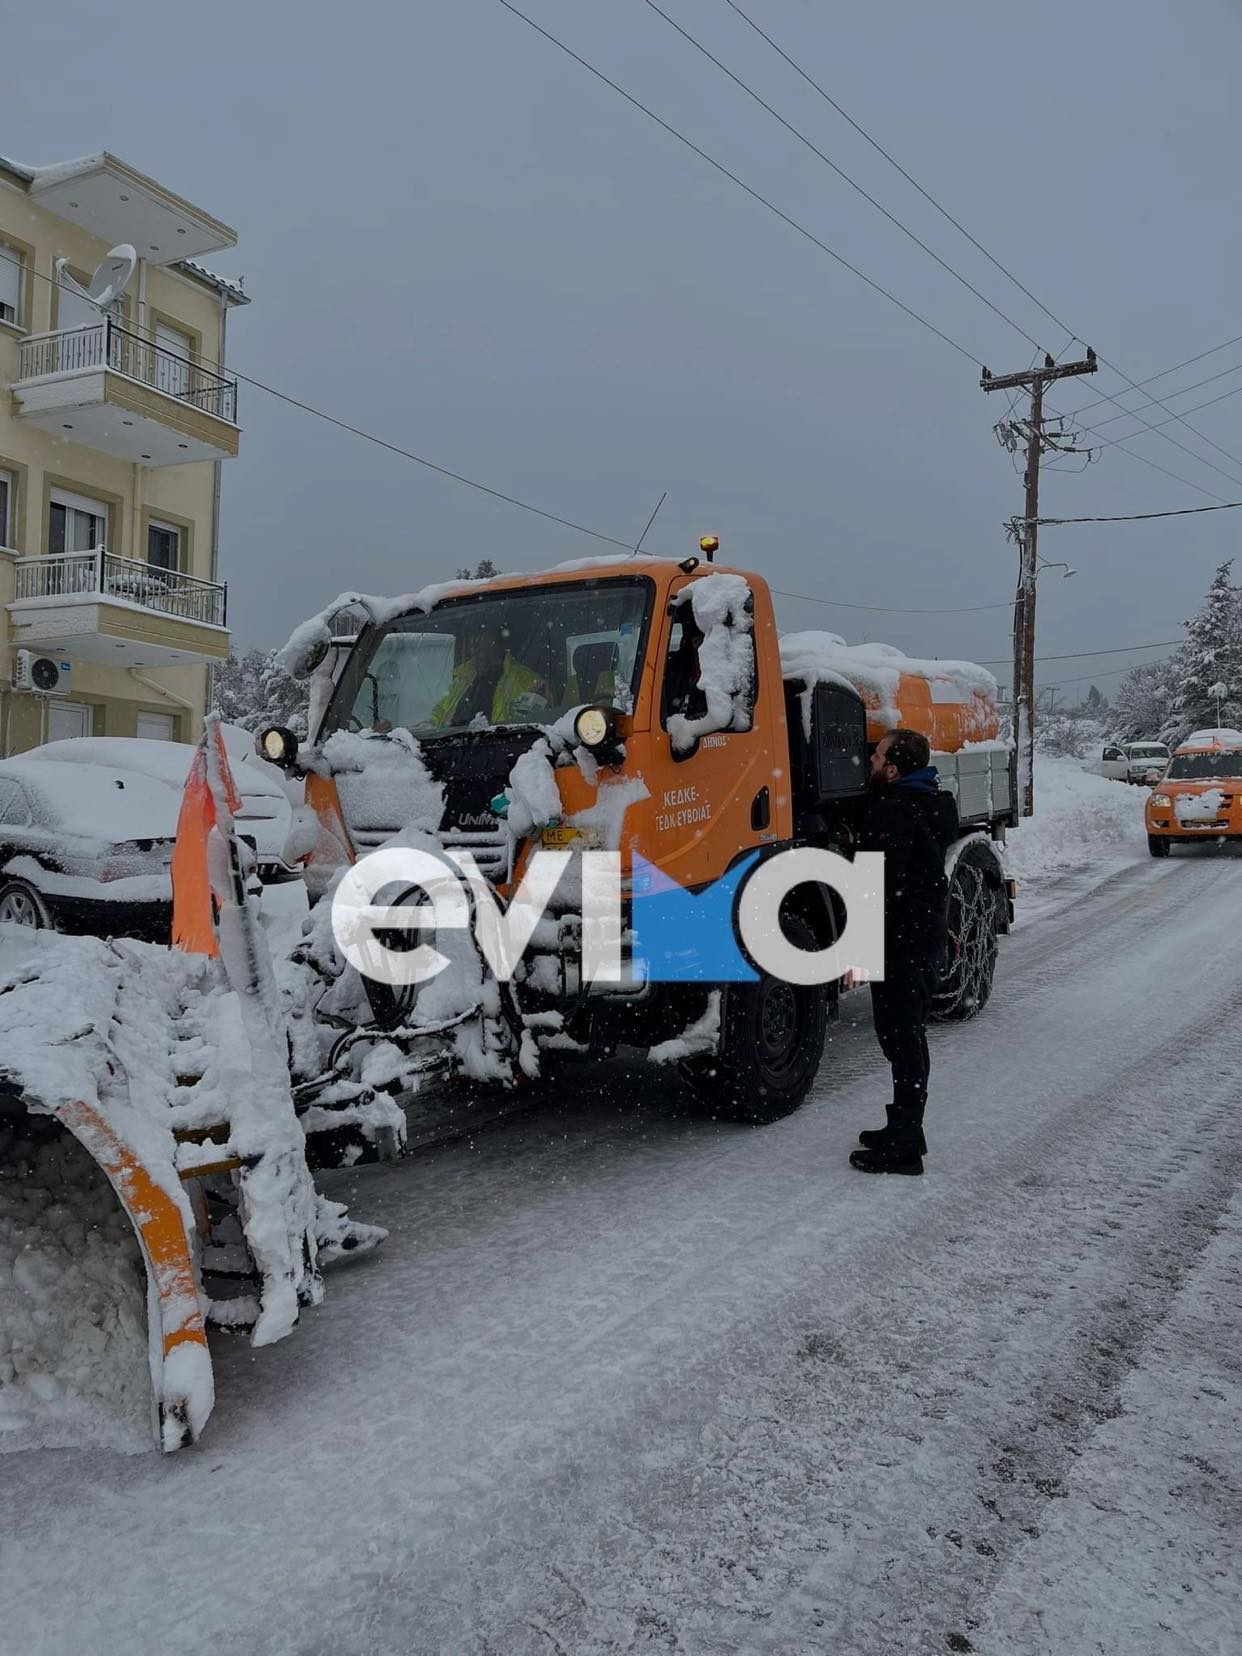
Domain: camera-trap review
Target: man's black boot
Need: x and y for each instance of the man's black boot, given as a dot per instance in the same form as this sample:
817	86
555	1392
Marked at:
876	1138
899	1148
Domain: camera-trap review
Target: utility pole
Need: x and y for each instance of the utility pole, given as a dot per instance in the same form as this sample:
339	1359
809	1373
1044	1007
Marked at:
1026	531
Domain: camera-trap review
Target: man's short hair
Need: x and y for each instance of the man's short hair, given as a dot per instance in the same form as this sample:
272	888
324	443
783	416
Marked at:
908	750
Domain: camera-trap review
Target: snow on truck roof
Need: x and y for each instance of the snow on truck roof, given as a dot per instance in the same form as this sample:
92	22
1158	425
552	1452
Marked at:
824	657
816	657
1212	738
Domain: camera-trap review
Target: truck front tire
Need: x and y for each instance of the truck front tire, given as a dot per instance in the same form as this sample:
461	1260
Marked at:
772	1041
1159	845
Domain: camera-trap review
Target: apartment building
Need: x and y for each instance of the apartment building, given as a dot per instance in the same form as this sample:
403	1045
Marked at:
115	426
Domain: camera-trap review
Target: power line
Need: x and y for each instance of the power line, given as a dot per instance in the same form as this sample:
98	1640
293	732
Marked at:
841	173
893	162
395	448
889	609
1184	391
1165	372
1091	678
1137	517
1081	655
719	166
513	500
1111	442
853	269
974	241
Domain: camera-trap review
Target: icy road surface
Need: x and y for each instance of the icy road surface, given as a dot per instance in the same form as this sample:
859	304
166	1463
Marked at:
623	1381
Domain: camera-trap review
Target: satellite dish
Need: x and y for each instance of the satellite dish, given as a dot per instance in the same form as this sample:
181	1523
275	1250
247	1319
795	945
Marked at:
110	280
112	277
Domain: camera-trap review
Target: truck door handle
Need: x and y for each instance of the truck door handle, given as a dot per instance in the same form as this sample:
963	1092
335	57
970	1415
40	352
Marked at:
761	809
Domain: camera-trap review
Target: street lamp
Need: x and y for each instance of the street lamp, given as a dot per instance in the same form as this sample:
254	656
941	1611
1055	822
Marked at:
1064	566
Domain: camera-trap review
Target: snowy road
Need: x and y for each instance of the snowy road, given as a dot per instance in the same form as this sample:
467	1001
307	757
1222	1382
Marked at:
625	1381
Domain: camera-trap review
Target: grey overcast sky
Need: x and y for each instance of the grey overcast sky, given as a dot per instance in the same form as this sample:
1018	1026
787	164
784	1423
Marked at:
455	237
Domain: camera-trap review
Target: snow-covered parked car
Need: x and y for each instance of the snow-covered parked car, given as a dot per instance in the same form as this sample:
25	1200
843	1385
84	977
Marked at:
1132	761
266	812
86	849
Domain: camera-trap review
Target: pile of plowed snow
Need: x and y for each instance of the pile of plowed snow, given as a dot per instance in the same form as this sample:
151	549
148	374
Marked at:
73	1326
1081	820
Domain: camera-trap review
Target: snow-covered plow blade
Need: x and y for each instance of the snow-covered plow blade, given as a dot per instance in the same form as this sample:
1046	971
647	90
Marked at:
186	1197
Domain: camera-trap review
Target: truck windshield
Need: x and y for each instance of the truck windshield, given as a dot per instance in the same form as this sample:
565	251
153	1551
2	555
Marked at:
503	658
1200	767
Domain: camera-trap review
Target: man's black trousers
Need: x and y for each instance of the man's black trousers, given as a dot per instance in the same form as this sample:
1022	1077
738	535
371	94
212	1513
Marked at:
900	1006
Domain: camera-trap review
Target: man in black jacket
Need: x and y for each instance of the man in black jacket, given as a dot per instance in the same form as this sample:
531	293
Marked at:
913	823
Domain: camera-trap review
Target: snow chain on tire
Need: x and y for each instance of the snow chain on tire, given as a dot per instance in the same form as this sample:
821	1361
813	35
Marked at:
967	982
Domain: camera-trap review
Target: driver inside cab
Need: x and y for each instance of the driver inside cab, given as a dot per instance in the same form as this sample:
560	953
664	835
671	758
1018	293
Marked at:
489	681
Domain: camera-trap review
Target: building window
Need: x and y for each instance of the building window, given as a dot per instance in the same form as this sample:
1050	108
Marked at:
76	523
157	727
163	546
12	283
8	508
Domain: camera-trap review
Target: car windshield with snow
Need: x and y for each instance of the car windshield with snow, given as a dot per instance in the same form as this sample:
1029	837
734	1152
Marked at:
1205	767
502	658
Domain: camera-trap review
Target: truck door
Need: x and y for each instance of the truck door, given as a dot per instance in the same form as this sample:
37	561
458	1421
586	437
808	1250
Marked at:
729	790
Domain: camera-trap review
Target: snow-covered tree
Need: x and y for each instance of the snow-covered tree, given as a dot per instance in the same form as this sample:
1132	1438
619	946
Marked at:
1063	736
484	570
1096	704
1145	701
253	690
1209	678
1212	656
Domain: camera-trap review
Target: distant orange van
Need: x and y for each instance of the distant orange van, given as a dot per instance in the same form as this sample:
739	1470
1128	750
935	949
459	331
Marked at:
1200	794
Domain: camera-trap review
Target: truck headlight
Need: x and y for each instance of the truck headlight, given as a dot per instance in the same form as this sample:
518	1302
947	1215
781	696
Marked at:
1162	802
593	727
278	745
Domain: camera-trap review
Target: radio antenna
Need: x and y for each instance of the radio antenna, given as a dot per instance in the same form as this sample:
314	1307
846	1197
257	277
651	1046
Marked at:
638	545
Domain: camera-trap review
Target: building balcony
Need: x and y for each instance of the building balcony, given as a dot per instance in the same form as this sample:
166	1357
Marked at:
114	389
111	611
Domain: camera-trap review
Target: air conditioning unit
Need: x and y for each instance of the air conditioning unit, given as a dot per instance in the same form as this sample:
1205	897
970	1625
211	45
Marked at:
41	675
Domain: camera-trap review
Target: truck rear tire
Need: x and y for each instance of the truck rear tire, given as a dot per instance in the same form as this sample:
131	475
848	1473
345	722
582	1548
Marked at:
966	986
1159	845
772	1042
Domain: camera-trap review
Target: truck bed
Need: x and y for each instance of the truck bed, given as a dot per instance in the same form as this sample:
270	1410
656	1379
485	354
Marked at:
982	781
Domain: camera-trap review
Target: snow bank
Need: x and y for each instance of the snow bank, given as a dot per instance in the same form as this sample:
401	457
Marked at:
73	1334
1080	820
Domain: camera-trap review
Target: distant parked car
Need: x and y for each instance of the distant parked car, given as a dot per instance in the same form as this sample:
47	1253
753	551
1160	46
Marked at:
86	849
1132	761
266	812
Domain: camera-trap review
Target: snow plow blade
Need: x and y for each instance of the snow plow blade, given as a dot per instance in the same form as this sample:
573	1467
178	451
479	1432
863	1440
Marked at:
181	1375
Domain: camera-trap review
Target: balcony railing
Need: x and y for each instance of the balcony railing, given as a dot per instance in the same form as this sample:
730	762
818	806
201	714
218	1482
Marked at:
102	574
107	344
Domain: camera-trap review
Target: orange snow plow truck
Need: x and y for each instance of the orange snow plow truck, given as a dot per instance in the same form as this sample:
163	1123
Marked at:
644	706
